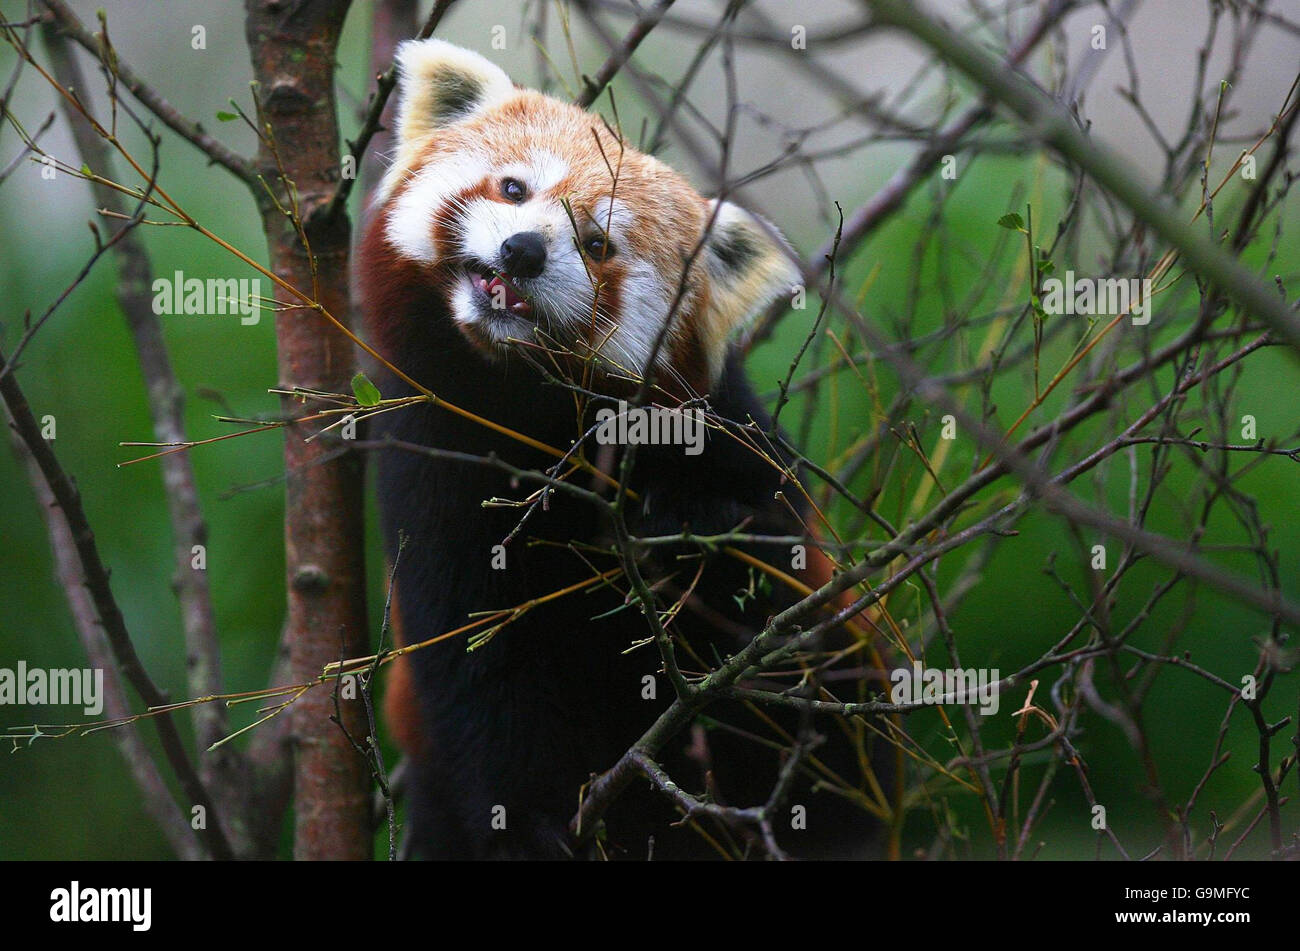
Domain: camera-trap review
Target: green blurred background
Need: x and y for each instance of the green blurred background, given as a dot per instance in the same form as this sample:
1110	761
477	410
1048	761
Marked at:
74	799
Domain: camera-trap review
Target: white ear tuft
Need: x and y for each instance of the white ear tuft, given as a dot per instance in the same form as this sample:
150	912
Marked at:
749	266
439	83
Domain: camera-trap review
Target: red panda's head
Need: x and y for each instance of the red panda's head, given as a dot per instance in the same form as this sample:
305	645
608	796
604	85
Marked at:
537	224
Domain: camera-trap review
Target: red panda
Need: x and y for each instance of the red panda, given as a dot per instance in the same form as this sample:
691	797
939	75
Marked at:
526	264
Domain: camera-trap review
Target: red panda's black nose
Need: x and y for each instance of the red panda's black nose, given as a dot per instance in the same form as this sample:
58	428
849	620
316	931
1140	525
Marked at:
523	254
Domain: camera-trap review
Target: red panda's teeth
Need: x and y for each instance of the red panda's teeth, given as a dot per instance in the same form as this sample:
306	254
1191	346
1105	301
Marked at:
487	285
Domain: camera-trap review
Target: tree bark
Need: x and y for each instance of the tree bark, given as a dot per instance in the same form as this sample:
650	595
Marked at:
293	48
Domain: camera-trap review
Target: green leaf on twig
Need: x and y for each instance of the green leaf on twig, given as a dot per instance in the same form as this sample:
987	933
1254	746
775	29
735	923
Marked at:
367	393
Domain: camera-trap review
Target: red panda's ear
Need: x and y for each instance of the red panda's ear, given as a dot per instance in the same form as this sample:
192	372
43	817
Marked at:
440	83
749	265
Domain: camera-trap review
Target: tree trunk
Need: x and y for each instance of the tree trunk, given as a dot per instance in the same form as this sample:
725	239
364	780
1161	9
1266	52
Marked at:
293	48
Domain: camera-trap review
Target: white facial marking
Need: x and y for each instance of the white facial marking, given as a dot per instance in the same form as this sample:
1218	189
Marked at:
409	227
541	171
646	305
486	224
462	303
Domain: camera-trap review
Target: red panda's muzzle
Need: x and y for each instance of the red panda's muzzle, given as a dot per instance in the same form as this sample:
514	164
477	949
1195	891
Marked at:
501	294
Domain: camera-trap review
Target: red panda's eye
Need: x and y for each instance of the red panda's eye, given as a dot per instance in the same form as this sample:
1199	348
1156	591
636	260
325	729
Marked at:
599	247
512	189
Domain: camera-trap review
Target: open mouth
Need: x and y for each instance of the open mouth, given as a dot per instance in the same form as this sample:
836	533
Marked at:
500	291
